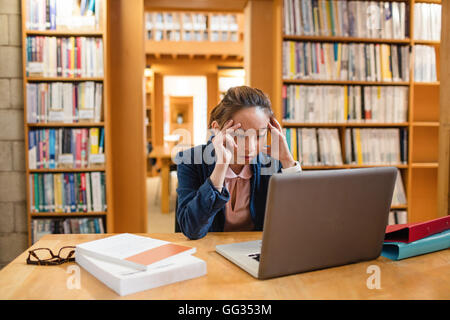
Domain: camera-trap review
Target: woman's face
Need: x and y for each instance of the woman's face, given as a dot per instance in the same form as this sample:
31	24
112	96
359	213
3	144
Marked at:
252	135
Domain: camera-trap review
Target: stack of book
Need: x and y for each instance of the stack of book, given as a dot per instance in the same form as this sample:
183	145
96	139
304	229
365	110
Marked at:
413	239
66	148
345	61
64	102
325	104
128	263
342	18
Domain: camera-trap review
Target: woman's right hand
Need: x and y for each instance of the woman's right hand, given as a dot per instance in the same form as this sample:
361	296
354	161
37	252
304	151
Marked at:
224	145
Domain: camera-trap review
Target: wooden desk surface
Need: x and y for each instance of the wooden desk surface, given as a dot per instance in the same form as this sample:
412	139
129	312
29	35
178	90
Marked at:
422	277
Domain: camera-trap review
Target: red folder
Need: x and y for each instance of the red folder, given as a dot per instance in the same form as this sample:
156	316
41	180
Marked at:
415	231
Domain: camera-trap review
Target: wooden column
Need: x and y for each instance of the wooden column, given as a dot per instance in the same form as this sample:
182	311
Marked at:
259	45
158	109
212	84
126	65
444	119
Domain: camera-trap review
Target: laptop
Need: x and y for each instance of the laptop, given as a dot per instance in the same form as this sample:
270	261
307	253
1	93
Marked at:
318	219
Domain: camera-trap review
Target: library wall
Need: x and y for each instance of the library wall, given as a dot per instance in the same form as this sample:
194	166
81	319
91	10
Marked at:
13	216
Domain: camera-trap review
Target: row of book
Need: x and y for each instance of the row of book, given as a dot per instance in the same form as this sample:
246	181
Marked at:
425	64
67	192
322	104
176	26
345	61
41	227
64	102
64	56
427	21
376	146
342	18
322	146
66	148
62	14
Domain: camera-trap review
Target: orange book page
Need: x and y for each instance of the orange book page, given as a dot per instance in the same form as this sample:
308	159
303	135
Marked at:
157	254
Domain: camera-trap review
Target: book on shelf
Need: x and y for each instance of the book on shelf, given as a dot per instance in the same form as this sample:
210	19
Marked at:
368	146
397	217
363	146
76	148
72	57
424	63
43	226
427	21
67	192
345	61
399	196
341	104
63	14
125	280
314	147
362	19
64	102
137	252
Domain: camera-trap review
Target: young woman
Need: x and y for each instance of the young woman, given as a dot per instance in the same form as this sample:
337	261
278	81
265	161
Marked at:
222	186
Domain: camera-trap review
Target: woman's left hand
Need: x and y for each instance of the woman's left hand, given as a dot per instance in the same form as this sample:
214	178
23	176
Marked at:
279	148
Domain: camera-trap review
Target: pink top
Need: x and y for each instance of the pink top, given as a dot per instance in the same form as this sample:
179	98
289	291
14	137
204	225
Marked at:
237	209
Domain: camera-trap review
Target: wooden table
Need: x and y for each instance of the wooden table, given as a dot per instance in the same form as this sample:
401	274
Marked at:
163	154
422	277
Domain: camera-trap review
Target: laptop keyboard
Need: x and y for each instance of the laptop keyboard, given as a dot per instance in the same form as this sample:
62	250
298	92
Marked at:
255	256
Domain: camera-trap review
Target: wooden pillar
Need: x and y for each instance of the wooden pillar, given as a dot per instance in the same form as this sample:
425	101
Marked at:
259	46
444	119
126	65
212	84
158	109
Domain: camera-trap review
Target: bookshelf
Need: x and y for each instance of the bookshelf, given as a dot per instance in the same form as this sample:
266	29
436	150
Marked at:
82	30
420	172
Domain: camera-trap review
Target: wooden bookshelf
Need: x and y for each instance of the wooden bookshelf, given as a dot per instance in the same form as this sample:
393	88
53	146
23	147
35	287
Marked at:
196	37
420	173
102	33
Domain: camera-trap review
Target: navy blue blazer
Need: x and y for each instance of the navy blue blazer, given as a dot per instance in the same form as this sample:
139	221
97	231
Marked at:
201	208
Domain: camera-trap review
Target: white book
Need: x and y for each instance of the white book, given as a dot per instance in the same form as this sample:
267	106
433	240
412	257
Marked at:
134	251
125	280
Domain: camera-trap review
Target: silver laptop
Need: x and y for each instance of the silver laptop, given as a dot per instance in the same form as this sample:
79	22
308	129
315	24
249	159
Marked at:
318	219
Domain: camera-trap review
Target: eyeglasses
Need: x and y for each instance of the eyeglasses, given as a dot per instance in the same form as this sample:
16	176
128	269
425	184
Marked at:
46	257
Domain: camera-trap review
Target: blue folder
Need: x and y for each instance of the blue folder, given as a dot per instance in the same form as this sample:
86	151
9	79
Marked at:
401	250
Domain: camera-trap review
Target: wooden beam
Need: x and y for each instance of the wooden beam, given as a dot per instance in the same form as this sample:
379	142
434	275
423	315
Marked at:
128	140
259	45
444	119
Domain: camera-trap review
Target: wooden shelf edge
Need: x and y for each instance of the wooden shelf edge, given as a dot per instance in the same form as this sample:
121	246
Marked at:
340	124
344	39
63	124
68	214
346	82
63	79
69	33
425	165
68	170
353	166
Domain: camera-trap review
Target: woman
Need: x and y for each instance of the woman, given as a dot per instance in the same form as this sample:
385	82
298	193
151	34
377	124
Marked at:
222	186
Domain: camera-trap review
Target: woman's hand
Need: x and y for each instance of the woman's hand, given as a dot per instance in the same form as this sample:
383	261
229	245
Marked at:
225	149
279	148
224	144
